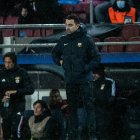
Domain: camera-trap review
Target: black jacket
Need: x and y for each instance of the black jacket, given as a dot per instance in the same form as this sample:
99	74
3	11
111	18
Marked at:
79	56
15	79
104	92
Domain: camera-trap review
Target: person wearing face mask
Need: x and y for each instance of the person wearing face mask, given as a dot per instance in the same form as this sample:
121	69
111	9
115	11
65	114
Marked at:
122	12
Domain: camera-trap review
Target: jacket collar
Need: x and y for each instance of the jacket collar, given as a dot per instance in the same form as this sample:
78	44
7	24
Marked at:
77	34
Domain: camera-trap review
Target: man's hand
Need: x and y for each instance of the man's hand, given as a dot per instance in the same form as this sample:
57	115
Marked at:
61	62
5	98
10	92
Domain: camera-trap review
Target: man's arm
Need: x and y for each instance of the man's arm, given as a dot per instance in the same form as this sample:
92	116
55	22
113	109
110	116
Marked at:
57	53
93	56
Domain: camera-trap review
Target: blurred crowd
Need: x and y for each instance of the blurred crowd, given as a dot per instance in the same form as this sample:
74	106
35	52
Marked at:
51	11
37	11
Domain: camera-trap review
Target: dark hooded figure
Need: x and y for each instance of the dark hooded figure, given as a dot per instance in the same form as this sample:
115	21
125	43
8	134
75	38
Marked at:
103	97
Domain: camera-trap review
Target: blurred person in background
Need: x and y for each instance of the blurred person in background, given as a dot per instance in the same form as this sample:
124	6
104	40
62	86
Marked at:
122	12
48	11
60	111
25	16
101	10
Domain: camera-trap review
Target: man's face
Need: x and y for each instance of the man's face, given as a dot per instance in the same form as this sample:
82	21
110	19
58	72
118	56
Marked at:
71	26
24	12
56	97
38	109
8	63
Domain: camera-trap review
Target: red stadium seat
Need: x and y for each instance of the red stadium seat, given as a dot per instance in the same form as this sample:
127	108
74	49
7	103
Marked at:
47	32
10	21
37	33
129	30
133	48
96	39
113	48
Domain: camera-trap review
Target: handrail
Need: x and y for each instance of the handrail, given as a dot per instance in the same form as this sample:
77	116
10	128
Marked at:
32	26
117	43
53	44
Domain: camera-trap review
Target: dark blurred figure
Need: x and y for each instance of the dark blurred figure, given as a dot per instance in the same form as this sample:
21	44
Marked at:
60	111
101	11
41	124
25	16
1	130
10	7
103	97
133	112
49	11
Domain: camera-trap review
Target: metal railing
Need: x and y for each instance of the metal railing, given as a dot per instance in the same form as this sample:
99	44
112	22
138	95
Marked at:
48	26
32	26
53	44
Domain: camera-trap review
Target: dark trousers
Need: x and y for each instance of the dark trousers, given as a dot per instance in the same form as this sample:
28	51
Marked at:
10	124
60	118
103	123
75	92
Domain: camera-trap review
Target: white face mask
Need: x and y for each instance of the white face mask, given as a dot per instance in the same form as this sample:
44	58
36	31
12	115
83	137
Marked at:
120	4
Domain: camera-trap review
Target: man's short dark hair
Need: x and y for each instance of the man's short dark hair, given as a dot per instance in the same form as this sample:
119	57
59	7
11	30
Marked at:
12	56
74	17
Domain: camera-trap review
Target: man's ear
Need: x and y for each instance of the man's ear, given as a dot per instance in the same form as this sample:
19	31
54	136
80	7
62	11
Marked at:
78	25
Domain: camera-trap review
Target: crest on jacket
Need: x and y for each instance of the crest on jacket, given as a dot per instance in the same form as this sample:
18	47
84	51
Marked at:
17	79
79	44
102	87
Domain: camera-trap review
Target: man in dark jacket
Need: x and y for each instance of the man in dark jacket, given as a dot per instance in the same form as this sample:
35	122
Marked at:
78	55
14	85
103	96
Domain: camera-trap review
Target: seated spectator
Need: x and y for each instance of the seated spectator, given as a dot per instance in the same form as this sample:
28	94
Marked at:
83	16
41	124
60	111
48	11
55	101
101	10
25	16
122	12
